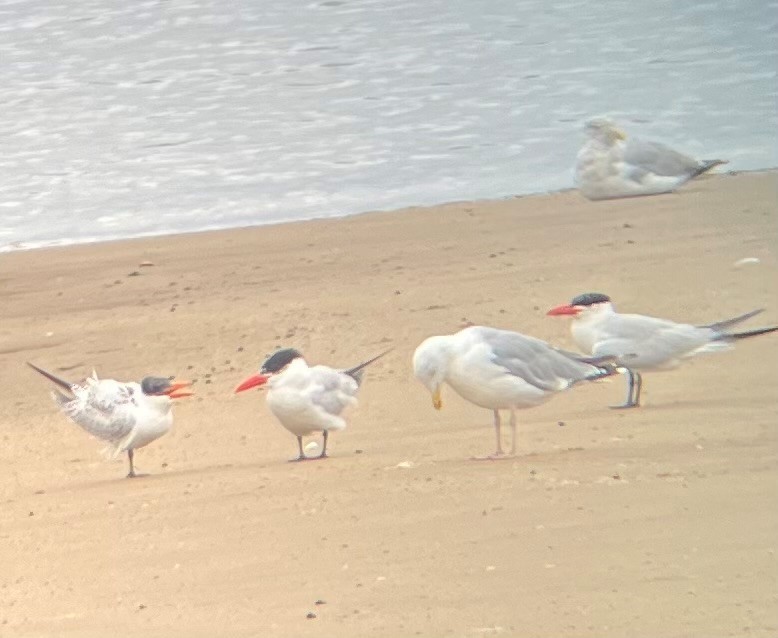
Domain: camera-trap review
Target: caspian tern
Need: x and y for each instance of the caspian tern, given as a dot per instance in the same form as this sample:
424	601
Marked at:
307	399
642	343
501	370
611	165
127	415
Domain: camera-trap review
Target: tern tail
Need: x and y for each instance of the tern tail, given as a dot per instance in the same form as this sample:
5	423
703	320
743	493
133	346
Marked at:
745	334
357	371
52	377
721	326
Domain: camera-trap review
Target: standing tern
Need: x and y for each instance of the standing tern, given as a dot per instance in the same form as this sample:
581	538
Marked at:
126	415
612	165
641	343
501	370
307	399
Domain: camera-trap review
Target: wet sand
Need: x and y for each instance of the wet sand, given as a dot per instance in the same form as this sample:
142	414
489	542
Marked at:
654	522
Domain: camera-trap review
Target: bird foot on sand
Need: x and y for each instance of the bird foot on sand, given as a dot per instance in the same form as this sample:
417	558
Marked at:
309	458
493	457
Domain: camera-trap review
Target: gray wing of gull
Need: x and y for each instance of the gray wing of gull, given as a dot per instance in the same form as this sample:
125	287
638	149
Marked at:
659	159
535	361
105	409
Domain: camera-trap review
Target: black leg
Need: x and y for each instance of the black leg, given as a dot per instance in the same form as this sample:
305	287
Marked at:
634	380
301	456
323	454
638	388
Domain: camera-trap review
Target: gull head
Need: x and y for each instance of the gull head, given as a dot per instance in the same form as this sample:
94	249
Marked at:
430	365
604	130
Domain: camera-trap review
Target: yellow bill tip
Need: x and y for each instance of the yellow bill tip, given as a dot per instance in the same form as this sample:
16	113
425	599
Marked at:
437	402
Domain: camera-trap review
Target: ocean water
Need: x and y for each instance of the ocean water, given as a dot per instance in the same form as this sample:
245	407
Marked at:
121	119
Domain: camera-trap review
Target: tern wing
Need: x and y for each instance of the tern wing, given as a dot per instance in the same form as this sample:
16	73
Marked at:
648	341
331	390
106	409
358	371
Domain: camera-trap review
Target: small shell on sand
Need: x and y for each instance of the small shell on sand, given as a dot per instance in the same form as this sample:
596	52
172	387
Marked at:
746	261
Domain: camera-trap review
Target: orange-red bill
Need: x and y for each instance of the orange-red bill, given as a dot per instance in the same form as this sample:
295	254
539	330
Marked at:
179	389
564	309
252	382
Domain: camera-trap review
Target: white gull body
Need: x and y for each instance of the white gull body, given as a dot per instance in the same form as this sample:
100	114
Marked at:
499	370
611	165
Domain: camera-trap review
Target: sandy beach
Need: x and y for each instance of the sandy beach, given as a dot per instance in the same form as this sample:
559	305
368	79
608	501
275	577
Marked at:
660	521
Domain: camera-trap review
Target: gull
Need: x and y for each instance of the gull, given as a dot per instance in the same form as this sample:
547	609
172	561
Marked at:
307	399
126	415
501	370
641	343
611	165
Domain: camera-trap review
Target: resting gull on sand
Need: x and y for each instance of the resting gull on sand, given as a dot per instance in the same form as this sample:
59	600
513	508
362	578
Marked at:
611	165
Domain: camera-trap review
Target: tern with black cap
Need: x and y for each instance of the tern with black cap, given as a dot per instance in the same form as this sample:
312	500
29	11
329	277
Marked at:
641	343
126	415
307	399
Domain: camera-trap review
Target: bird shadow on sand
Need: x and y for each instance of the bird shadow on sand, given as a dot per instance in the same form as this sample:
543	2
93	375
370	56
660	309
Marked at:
681	404
150	478
487	460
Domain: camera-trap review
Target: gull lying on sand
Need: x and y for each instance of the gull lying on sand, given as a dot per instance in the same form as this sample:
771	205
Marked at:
611	165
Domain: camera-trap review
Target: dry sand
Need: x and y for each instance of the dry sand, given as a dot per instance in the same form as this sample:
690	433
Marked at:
655	522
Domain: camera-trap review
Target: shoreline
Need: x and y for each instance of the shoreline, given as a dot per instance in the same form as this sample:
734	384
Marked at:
21	246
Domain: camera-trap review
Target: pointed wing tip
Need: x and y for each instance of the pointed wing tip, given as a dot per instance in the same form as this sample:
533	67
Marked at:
66	385
358	370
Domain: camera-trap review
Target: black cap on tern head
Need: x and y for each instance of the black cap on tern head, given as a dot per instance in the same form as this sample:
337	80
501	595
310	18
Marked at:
155	385
279	360
589	298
